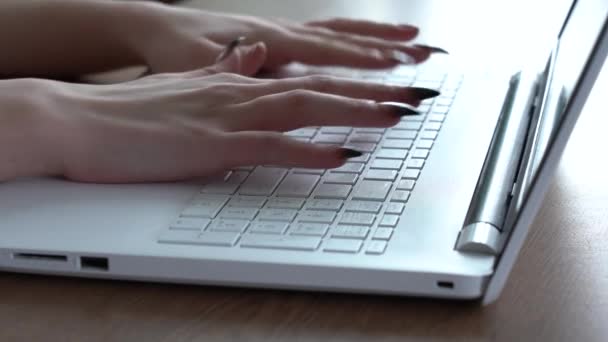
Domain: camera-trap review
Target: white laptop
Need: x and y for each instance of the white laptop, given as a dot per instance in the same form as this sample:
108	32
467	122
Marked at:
438	206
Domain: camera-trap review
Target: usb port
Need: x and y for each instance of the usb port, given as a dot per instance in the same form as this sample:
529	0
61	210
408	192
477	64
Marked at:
94	263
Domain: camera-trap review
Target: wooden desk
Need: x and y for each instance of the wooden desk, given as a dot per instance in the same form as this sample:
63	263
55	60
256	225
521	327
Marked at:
557	291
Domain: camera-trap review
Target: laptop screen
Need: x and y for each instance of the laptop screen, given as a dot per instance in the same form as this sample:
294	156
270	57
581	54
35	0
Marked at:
577	41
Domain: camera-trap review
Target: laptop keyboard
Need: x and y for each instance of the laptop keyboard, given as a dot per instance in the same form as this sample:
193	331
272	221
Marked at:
351	209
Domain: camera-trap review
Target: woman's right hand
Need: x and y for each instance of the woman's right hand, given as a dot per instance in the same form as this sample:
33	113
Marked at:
177	126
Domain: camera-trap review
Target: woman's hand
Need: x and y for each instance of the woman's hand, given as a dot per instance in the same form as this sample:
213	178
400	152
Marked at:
171	39
176	126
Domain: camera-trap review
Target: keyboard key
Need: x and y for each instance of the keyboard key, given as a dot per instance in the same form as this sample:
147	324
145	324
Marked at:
205	206
226	225
415	163
376	247
337	191
426	144
406	184
285	203
316	216
324	204
262	181
247	202
336	130
350	168
398	143
238	213
309	171
400	196
411	174
187	223
362	146
388	175
439	113
401	134
350	232
277	215
325	138
297	185
360	219
309	229
341	178
413	126
365	137
364	206
383	234
364	158
288	242
386	164
369	130
429	135
372	190
433	126
395	208
302	133
343	246
386	153
268	227
227	186
225	239
389	221
435	117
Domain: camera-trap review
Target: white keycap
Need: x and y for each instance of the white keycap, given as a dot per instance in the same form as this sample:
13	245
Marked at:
262	181
302	132
238	213
228	186
383	234
360	219
416	118
362	146
364	158
430	135
369	130
190	223
413	126
337	191
395	208
247	202
244	168
400	196
325	138
411	174
341	178
401	134
389	221
372	190
285	203
324	204
297	185
268	227
343	246
350	232
437	115
185	237
350	168
415	163
365	137
289	242
309	171
406	184
316	216
364	206
226	225
433	126
387	153
375	174
376	247
206	206
309	229
386	164
425	144
398	143
277	215
336	130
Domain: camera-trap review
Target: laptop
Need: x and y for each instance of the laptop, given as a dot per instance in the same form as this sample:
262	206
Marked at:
438	206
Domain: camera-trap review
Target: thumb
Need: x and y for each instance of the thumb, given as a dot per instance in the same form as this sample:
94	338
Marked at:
245	60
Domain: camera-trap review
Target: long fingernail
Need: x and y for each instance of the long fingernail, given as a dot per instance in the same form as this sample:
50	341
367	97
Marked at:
400	57
348	153
399	109
432	49
229	49
423	93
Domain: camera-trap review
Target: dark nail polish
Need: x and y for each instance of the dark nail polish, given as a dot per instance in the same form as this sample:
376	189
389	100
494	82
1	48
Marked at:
229	49
423	93
348	153
433	49
400	109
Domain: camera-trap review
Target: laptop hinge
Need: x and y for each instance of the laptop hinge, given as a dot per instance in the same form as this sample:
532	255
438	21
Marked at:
482	231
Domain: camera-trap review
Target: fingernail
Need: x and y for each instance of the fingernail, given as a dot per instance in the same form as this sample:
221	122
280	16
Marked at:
432	49
400	57
348	153
423	93
229	49
400	109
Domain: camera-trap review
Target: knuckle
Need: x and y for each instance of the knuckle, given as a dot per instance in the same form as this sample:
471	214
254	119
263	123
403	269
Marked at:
298	97
322	83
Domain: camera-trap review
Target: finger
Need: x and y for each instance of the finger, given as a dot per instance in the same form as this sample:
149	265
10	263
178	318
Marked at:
242	60
268	148
368	28
300	108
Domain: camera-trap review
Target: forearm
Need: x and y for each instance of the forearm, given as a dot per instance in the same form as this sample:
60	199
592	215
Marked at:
66	38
